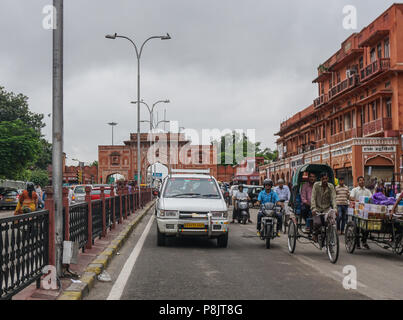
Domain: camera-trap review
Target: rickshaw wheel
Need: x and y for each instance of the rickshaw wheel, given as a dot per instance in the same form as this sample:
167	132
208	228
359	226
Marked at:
292	236
399	245
350	237
332	241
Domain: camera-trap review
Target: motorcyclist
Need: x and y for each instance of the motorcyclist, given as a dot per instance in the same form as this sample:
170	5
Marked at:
239	195
265	196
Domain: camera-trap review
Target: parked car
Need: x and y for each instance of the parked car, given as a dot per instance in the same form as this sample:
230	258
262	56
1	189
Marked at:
96	192
9	199
79	193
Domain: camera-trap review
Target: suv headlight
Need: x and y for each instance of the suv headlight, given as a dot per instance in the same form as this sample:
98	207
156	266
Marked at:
169	213
219	214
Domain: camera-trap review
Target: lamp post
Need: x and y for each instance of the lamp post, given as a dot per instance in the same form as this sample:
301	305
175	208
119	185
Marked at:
112	124
138	55
151	121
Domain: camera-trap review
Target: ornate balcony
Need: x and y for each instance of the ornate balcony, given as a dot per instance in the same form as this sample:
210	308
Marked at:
377	126
323	99
376	67
343	86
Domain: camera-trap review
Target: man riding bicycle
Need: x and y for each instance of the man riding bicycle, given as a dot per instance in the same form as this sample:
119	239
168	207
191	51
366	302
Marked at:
323	199
268	195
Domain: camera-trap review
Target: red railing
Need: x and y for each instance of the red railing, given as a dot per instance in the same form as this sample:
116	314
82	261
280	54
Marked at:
374	68
377	126
343	86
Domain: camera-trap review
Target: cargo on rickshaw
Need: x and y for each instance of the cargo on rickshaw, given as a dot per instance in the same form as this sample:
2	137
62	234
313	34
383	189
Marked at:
327	237
376	223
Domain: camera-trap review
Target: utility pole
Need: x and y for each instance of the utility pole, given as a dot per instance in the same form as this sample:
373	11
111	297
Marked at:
57	131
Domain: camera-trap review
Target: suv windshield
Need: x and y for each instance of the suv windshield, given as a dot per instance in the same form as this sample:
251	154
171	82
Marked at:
79	189
191	188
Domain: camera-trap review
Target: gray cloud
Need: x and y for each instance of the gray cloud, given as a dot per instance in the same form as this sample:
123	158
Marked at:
230	63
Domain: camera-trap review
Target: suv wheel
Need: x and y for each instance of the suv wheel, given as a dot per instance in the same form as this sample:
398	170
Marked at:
222	241
160	238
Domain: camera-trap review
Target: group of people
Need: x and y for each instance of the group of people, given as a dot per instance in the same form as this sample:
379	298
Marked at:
320	197
317	199
277	195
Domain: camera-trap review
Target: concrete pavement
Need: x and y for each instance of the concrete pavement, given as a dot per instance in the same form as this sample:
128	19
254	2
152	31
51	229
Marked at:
195	269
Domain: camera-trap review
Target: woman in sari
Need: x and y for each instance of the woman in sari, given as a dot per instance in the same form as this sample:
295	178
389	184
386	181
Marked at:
28	200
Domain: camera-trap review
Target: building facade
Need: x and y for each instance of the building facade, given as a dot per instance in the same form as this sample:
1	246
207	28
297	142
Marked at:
355	125
169	149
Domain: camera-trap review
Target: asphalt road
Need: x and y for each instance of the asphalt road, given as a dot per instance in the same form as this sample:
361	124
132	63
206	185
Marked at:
189	269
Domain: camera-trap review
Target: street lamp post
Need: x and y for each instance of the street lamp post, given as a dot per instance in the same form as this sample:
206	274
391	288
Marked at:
151	121
112	124
138	55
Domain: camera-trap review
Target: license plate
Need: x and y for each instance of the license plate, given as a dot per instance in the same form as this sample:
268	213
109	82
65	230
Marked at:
194	225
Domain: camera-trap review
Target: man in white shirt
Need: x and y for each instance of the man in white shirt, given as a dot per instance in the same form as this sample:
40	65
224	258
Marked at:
282	191
355	195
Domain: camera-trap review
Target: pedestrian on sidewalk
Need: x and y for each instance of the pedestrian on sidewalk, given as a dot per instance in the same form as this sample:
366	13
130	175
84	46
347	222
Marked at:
342	197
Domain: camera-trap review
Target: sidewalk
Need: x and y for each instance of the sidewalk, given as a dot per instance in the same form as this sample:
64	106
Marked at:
89	264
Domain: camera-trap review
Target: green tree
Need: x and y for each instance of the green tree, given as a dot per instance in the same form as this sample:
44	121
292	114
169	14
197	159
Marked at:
39	177
19	146
15	107
231	143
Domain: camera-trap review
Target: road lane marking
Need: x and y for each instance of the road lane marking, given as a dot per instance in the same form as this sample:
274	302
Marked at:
117	289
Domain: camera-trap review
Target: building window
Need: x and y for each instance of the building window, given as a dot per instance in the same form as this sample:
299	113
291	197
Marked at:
354	122
389	108
387	48
324	132
374	110
341	124
373	57
379	50
363	115
347	121
361	63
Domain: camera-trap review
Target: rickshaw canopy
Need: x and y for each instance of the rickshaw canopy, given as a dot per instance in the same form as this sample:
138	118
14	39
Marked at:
314	168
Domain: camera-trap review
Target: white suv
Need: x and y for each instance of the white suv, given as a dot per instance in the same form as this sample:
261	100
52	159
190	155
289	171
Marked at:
190	203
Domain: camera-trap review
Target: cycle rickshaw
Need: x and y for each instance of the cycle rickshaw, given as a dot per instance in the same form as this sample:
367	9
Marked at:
328	237
386	233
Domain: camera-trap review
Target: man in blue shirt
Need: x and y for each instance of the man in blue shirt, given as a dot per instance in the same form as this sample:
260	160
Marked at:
268	195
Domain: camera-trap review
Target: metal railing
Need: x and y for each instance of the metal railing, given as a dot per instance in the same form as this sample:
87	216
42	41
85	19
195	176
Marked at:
24	243
25	246
78	224
96	218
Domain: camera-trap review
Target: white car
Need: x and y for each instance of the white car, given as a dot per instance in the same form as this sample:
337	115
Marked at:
190	203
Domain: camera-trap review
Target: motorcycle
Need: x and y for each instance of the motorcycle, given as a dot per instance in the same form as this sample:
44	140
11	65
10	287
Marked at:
243	211
268	227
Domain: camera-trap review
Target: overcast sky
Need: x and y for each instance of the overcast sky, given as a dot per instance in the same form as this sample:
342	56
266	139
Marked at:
230	63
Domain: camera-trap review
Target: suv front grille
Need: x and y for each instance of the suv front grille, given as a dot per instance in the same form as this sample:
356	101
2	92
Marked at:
191	215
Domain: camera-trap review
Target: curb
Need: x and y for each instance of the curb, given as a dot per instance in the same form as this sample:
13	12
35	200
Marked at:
77	291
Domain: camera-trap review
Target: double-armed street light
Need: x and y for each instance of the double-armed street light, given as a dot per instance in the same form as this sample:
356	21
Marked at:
138	55
151	112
